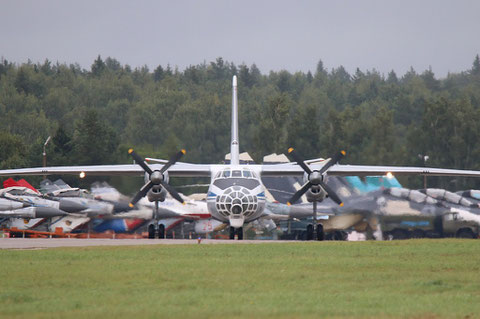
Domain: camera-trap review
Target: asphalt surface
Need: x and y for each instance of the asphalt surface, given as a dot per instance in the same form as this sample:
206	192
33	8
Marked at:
42	243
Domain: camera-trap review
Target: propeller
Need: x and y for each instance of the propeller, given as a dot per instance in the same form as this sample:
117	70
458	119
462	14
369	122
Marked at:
156	177
315	178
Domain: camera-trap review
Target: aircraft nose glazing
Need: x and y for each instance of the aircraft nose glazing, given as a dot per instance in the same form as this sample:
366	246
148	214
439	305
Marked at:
236	200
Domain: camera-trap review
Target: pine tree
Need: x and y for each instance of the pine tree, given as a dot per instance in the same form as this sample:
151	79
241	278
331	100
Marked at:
476	66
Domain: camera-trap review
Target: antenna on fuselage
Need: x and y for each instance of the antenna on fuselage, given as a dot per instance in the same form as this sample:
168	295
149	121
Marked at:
234	149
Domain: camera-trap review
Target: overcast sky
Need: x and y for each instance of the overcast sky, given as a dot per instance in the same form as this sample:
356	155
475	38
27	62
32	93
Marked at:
276	35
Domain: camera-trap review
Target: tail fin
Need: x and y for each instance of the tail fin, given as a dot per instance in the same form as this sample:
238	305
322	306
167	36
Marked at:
234	149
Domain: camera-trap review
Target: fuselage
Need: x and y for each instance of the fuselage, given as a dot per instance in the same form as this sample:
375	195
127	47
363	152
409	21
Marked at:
236	195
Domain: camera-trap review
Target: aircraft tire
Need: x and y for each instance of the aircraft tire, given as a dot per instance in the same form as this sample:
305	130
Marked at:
320	232
232	233
151	231
399	234
161	231
418	233
465	233
339	235
239	233
309	232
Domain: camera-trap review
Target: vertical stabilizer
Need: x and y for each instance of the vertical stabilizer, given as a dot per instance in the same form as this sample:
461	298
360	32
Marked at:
234	149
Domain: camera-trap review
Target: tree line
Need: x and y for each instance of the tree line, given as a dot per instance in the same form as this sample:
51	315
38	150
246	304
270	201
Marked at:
94	116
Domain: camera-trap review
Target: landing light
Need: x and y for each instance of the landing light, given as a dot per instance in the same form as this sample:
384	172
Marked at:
82	175
389	175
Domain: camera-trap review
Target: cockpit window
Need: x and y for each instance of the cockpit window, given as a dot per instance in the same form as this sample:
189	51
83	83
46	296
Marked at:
226	173
236	173
475	194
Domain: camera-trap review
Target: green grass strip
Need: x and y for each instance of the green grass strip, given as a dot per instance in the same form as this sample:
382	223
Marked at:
397	279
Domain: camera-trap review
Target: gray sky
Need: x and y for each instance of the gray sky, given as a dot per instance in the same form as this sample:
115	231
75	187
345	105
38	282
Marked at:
276	35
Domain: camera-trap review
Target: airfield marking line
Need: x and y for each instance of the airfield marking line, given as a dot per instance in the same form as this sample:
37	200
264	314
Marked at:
33	243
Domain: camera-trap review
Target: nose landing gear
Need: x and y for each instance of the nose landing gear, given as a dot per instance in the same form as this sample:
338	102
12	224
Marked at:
236	231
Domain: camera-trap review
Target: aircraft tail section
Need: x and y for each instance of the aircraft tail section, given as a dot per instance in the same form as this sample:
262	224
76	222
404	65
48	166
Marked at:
234	149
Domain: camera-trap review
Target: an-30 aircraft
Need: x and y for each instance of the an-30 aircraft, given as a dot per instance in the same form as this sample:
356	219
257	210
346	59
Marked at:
236	194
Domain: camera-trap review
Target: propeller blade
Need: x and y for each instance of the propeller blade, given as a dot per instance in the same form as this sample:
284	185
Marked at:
299	193
140	161
299	160
141	193
172	160
173	192
331	193
333	160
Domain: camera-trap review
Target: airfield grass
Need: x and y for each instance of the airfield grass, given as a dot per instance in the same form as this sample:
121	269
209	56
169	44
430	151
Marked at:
396	279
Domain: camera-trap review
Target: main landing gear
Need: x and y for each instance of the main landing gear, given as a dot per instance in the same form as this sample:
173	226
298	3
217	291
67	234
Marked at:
311	231
155	230
236	231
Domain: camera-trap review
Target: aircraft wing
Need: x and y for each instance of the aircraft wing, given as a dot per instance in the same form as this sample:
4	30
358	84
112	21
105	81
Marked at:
179	169
292	169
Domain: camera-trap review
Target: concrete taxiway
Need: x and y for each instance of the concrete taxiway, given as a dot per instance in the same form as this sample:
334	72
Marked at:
42	243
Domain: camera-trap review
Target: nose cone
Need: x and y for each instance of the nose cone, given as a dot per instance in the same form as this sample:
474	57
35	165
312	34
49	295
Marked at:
48	212
119	207
70	206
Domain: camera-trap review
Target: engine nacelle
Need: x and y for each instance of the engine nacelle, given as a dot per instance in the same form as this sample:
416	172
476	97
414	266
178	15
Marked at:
157	193
315	194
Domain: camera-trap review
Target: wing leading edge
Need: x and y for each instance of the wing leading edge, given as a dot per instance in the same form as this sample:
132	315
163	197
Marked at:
292	169
179	169
205	170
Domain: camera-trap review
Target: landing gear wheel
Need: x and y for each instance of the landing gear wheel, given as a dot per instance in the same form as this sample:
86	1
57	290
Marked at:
161	231
465	233
339	235
232	233
399	234
418	233
320	232
310	232
151	231
239	232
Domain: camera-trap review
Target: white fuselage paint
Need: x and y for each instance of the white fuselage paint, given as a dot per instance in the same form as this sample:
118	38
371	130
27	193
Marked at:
236	195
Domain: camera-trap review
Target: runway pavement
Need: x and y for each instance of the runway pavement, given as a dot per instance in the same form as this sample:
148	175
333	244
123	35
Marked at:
42	243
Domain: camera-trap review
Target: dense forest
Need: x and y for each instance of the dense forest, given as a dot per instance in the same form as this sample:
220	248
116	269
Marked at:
94	116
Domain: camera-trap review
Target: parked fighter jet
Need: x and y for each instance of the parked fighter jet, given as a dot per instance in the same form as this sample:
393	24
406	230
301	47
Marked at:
401	213
23	202
28	209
